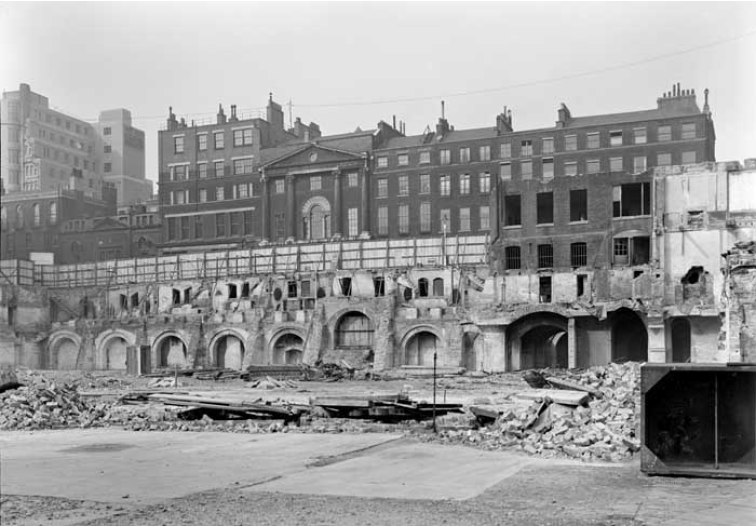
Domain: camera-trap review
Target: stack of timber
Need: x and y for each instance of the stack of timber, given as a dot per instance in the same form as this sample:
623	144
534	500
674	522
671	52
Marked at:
385	407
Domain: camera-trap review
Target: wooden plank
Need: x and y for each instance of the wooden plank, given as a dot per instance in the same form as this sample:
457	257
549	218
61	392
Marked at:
570	385
568	397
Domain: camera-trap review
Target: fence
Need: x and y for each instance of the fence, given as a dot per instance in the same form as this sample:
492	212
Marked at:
382	254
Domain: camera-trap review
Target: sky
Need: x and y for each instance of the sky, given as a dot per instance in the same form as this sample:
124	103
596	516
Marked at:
345	65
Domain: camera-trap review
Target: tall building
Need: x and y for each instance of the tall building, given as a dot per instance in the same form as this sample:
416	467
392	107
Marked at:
122	149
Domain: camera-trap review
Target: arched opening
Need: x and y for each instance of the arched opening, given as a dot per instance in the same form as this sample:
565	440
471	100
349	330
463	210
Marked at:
317	219
229	352
64	354
438	287
420	349
422	287
543	347
115	353
288	349
629	337
354	330
171	352
680	340
472	351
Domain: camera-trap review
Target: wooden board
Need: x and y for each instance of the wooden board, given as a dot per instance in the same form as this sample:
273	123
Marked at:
570	385
568	397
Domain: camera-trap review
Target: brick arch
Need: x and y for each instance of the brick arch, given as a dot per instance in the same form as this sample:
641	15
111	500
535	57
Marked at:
280	331
548	324
103	340
158	340
53	348
416	330
225	332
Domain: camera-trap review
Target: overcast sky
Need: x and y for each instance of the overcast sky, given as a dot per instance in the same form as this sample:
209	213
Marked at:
330	58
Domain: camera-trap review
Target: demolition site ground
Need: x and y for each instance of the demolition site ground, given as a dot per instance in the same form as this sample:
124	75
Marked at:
73	452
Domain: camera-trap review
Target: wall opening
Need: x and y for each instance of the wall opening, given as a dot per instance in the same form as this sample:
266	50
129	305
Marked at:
544	347
231	290
438	287
171	352
229	352
581	284
64	354
472	351
379	284
629	337
544	289
422	287
288	349
115	353
420	349
354	330
680	340
176	297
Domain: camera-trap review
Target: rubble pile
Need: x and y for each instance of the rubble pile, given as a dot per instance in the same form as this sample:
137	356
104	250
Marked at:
604	429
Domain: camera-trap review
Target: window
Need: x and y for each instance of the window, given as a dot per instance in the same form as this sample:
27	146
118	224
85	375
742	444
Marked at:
382	187
424	157
547	145
198	229
578	254
53	213
484	182
242	191
664	133
639	164
464	219
464	155
171	228
512	210
570	143
621	250
36	215
445	218
402	159
202	142
219	169
445	157
243	137
424	183
220	193
178	172
505	171
594	140
615	138
544	289
178	145
203	195
219	140
505	151
316	182
184	222
484	153
248	222
632	199
383	221
236	223
444	185
689	131
403	219
280	186
19	217
545	256
280	224
425	217
220	225
581	279
579	205
639	135
403	186
512	257
570	168
107	167
107	149
352	179
526	169
688	157
464	184
382	161
352	222
544	208
615	164
105	131
663	159
242	166
593	166
202	170
485	218
548	168
526	148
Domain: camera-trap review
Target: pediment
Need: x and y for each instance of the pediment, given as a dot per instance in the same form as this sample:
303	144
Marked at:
107	224
313	155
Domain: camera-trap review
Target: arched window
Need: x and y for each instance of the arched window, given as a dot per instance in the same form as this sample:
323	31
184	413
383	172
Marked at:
36	214
19	217
354	331
438	287
53	213
422	287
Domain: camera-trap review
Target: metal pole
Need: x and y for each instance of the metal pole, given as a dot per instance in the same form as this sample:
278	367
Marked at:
435	356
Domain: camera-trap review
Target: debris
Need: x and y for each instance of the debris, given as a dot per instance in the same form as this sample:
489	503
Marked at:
564	384
534	379
571	398
268	383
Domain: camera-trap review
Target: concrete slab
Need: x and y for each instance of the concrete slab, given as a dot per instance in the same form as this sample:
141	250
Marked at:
405	471
736	512
148	467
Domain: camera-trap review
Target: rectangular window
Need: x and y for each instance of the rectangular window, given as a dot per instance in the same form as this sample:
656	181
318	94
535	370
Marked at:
178	145
615	164
663	159
445	157
236	223
202	170
545	208
506	151
382	161
526	148
179	172
242	191
316	182
106	131
445	219
219	140
593	166
578	254
172	228
512	258
220	194
484	153
203	195
352	222
220	225
108	149
581	279
570	143
425	217
403	186
484	182
198	228
639	136
425	184
382	187
505	171
579	205
512	210
688	157
249	224
526	169
280	186
464	155
615	138
484	217
402	160
242	166
547	145
243	137
545	256
202	142
383	221
184	224
107	167
464	219
544	289
689	131
352	179
548	168
639	164
444	185
632	199
664	133
464	184
403	219
594	140
424	157
621	250
219	169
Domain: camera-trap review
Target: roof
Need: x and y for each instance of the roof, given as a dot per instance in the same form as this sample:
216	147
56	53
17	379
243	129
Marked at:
433	138
624	117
